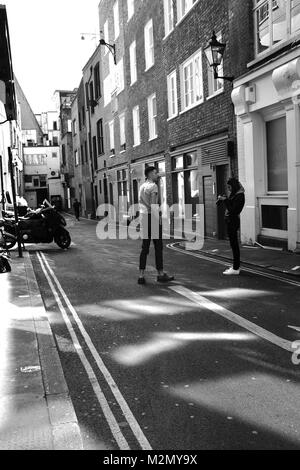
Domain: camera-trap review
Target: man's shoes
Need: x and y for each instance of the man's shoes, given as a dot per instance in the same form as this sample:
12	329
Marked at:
141	281
165	278
232	272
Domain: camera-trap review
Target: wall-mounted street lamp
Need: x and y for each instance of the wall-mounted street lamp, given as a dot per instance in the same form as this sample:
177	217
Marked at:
111	48
215	54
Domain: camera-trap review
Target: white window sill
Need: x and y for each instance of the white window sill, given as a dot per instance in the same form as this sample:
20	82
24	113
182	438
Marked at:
123	151
150	67
168	34
217	93
172	117
191	107
132	83
112	156
136	145
153	138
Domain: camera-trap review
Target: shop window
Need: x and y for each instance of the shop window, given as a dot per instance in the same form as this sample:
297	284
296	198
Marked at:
185	179
277	155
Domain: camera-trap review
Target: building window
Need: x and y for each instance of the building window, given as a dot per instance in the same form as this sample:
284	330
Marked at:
172	94
69	125
95	153
149	45
122	183
215	86
152	117
183	7
130	8
74	127
76	158
63	154
116	20
91	103
120	85
86	151
106	36
55	141
169	16
54	155
97	81
277	155
55	125
82	154
136	126
133	67
79	122
185	178
122	132
274	22
107	87
100	137
111	126
83	115
191	82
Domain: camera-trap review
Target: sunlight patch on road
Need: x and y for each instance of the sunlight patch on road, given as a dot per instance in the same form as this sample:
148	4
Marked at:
263	402
134	355
236	293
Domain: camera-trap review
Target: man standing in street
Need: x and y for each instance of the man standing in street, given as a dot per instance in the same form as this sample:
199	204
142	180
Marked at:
149	215
77	207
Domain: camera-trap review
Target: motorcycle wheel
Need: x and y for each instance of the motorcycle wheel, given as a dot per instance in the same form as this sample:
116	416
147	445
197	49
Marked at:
63	239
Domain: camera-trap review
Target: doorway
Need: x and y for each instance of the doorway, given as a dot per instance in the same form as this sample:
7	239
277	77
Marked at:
209	200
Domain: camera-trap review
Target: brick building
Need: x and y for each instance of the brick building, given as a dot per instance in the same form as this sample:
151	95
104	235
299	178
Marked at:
63	101
201	124
159	104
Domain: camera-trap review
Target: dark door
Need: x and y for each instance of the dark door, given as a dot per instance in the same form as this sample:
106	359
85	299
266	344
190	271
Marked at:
135	192
222	175
209	206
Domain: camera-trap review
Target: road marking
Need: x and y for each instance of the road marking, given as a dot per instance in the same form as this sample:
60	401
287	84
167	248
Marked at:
110	418
134	425
233	317
296	328
226	263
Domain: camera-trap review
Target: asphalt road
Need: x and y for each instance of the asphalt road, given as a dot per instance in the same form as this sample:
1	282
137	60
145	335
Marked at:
205	363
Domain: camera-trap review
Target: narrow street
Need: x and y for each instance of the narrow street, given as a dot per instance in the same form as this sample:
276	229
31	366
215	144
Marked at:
203	363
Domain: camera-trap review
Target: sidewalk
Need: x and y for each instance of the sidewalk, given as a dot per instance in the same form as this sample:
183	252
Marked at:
36	412
274	260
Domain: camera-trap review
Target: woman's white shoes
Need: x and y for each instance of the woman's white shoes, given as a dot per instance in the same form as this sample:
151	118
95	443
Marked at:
232	272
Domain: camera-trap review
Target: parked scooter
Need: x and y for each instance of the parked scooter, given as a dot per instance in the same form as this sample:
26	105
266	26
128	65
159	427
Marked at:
44	225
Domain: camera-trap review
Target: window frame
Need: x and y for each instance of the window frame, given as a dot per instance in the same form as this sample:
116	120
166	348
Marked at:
122	122
152	117
116	15
149	45
198	55
133	63
211	81
169	13
111	128
171	76
136	126
288	25
130	9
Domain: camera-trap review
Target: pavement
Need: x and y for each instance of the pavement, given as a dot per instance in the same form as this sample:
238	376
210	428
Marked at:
272	259
36	412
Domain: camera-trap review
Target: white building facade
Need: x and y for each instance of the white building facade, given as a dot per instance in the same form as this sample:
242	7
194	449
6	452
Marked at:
266	104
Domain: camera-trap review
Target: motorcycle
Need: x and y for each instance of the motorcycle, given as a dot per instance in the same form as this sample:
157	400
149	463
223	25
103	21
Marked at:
44	225
4	254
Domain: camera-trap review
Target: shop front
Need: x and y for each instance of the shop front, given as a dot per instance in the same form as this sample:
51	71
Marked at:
268	127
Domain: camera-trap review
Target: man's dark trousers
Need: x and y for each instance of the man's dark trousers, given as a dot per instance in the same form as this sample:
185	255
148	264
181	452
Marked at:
157	241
